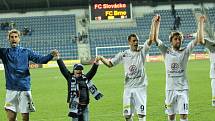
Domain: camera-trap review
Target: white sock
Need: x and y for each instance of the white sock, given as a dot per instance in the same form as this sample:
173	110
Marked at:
213	90
183	119
142	119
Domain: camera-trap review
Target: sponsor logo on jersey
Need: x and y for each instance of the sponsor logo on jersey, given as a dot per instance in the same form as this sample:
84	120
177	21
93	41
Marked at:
132	70
175	68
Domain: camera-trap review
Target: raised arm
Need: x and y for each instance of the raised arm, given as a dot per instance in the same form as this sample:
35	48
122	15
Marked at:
154	29
200	31
66	73
37	58
157	27
158	42
93	69
199	37
105	61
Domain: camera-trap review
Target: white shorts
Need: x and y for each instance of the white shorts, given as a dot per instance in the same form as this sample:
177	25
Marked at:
134	99
212	70
177	102
19	101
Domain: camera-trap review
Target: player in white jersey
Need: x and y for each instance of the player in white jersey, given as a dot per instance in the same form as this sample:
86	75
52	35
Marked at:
175	59
211	47
135	85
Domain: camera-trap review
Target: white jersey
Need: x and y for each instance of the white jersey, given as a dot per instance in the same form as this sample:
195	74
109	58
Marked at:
176	66
211	47
133	66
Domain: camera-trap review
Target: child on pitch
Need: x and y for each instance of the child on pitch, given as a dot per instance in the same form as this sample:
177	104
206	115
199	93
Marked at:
79	87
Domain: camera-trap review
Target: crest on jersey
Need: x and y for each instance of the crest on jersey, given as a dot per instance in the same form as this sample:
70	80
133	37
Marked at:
133	69
174	66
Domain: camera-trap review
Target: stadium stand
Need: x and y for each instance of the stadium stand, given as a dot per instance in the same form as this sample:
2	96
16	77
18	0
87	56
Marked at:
117	36
59	32
210	13
47	33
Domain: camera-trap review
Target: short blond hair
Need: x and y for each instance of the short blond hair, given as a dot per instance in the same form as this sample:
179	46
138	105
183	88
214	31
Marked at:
13	31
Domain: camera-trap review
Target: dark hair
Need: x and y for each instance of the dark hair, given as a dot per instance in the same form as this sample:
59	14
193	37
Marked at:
179	34
132	35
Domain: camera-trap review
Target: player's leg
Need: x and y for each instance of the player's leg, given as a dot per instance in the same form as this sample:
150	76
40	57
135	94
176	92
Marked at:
127	107
171	117
25	116
183	117
170	105
140	99
85	114
26	104
11	105
11	115
183	105
213	91
141	117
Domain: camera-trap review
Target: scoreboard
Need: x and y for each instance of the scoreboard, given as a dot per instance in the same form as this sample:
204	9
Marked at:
110	9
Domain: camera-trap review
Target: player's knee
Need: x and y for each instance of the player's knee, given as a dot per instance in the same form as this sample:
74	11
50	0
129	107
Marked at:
141	115
127	116
183	116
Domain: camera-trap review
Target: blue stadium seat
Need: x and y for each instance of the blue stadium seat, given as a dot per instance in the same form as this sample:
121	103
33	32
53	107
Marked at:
48	32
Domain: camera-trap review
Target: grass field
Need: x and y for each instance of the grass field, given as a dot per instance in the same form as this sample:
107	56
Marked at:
49	93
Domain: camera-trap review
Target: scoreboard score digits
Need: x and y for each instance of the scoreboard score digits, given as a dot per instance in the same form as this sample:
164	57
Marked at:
110	9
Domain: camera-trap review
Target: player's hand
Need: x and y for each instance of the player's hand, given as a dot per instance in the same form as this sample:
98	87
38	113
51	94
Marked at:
158	17
202	18
55	54
98	58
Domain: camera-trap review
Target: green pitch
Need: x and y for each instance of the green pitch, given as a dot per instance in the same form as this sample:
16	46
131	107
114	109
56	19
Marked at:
49	91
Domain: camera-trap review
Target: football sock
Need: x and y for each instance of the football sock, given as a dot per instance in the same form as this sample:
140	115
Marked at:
183	119
213	91
142	119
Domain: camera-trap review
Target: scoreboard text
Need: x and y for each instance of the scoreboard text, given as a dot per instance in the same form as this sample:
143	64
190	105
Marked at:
111	9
